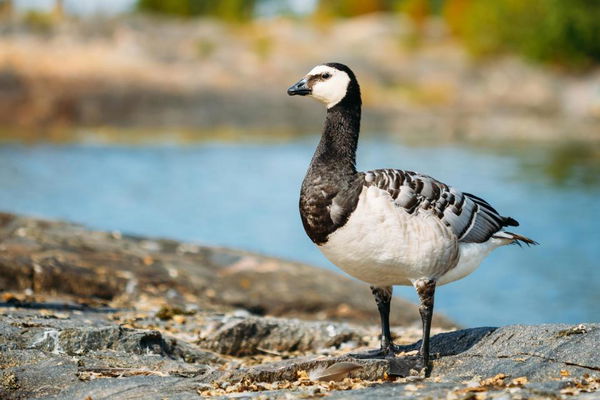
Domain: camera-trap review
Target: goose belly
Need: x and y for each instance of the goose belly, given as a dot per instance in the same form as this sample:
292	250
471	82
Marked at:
383	244
470	257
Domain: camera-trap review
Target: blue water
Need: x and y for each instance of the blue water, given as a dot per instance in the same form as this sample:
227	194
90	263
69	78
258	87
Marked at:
245	195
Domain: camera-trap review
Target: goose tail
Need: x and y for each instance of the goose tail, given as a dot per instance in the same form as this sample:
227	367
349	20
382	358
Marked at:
515	238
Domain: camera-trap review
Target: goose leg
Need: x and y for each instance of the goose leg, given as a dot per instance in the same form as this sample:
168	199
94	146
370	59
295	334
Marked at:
383	298
405	366
426	291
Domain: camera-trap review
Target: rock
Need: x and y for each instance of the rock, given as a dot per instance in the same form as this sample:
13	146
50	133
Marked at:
33	373
538	352
248	336
513	361
288	370
77	337
108	316
101	268
44	353
74	354
130	388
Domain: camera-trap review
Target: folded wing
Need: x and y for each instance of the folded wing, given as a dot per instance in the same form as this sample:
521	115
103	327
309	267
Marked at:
472	219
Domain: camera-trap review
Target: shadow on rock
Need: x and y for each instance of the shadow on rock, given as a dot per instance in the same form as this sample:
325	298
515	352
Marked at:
453	343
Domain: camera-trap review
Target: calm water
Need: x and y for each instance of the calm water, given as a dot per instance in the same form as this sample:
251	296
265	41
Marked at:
246	195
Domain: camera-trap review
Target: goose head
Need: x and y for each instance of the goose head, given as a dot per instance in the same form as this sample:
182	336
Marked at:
330	83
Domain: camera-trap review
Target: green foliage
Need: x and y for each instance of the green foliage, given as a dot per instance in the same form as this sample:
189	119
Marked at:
39	21
555	31
352	8
231	10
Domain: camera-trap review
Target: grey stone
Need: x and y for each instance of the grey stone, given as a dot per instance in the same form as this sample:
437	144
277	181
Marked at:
544	355
252	335
101	268
74	355
70	328
133	388
33	373
538	352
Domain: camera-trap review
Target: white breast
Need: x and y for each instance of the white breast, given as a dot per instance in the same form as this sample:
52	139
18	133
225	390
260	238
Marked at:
384	245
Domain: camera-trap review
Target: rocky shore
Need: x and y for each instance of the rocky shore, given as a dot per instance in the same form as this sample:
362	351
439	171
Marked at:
207	77
102	315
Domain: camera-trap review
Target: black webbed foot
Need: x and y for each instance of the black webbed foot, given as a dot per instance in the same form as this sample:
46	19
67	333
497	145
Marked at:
376	354
381	353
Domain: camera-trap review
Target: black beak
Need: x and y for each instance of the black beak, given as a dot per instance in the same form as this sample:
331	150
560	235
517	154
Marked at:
299	88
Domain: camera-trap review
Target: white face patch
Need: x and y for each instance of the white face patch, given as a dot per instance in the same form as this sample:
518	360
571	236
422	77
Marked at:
331	90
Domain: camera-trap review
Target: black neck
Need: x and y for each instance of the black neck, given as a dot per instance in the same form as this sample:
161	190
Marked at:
337	147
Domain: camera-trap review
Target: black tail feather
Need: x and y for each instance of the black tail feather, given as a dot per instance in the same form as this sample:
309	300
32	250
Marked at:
508	221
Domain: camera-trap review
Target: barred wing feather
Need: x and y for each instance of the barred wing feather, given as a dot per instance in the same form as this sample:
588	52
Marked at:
472	219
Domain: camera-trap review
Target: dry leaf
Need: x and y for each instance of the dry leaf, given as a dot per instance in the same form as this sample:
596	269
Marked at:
497	380
520	381
302	375
407	353
472	389
148	260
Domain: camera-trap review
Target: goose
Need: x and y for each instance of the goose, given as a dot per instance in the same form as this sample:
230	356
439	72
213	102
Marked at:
388	227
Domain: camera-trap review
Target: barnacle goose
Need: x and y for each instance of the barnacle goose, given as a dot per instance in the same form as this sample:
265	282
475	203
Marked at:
388	227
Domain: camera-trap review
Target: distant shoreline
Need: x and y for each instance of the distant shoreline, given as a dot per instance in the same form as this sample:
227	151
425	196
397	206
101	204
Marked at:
139	73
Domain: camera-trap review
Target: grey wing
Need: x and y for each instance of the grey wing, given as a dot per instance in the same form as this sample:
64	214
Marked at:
472	219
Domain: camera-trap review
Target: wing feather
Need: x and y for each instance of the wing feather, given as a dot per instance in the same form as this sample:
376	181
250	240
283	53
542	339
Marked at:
471	218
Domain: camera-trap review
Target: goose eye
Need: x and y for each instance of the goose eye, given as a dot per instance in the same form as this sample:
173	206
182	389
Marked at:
326	75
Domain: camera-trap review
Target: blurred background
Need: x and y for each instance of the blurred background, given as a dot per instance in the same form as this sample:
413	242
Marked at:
170	118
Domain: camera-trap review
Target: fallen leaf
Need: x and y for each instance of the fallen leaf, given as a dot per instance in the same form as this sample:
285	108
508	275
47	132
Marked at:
520	381
497	380
472	389
148	260
302	375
